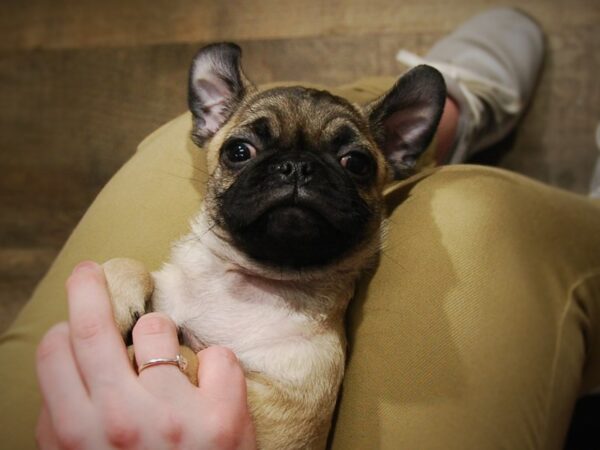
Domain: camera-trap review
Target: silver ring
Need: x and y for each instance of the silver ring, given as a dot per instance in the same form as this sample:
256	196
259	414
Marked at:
178	361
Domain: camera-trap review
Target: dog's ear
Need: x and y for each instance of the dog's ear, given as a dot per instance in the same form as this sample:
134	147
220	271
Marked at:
217	85
403	121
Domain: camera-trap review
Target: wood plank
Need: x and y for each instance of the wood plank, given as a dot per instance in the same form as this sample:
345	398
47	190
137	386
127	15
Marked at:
87	23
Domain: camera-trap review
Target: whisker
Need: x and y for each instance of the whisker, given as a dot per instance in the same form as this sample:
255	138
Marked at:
393	260
197	169
197	180
187	163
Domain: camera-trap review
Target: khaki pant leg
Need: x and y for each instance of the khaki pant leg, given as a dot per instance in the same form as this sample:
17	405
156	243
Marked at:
481	323
138	214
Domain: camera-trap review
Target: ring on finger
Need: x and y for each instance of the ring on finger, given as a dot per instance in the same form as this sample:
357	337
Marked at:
178	361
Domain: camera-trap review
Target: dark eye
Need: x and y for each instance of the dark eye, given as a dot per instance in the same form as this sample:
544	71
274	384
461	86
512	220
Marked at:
239	152
357	163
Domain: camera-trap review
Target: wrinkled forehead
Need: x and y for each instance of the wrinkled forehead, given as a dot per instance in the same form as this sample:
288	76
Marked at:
288	114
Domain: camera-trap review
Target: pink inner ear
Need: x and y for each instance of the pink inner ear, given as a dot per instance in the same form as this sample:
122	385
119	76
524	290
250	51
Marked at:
402	130
214	95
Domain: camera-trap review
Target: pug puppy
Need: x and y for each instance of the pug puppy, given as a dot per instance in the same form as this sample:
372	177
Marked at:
293	214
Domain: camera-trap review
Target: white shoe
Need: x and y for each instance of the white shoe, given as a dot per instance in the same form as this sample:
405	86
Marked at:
491	64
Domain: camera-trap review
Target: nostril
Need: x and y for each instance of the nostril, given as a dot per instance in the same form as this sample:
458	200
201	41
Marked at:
286	168
282	168
299	170
306	168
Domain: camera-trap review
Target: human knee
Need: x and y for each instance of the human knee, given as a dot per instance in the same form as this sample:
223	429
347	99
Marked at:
479	202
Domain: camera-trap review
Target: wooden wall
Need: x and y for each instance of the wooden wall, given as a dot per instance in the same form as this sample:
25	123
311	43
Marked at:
82	82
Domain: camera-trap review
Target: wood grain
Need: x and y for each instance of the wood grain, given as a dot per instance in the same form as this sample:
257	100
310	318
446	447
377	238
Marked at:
88	23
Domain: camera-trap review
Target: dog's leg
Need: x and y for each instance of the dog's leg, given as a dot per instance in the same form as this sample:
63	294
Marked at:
288	417
131	287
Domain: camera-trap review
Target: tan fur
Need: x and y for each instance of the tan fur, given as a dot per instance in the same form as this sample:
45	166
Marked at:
131	287
286	327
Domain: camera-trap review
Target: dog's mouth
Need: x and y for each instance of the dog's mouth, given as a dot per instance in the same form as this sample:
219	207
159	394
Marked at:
292	227
290	222
290	202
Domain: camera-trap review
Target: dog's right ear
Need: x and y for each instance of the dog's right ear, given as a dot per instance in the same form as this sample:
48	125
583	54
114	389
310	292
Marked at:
404	120
217	85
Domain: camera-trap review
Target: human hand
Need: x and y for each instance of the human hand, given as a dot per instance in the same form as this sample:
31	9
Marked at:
93	399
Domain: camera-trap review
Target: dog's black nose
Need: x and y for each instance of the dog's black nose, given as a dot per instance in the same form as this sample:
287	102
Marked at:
294	171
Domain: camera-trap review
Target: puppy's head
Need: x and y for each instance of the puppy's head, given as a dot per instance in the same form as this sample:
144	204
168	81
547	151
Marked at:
296	174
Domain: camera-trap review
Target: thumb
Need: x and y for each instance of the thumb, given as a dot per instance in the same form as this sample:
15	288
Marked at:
220	375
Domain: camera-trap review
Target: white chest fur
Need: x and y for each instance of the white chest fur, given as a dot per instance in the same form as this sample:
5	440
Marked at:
285	329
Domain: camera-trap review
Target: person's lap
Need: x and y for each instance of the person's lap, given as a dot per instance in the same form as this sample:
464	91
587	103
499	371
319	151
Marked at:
477	328
473	330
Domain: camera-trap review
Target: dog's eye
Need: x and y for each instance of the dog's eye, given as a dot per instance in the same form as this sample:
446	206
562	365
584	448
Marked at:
239	152
357	163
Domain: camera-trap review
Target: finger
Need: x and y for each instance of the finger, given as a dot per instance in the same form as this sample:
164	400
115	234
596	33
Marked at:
60	382
44	434
221	377
155	336
99	350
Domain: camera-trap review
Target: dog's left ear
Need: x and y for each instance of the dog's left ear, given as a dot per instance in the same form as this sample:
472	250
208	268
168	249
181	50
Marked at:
217	85
404	120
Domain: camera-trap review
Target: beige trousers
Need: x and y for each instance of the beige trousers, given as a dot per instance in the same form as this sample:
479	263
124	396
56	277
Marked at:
478	329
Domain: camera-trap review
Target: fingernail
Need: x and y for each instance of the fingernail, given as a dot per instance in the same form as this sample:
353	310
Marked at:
86	266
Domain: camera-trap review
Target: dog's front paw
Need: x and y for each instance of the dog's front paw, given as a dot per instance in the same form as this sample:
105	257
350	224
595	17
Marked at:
131	287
